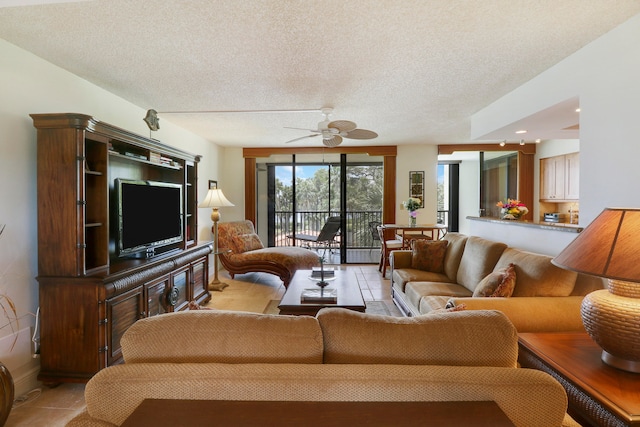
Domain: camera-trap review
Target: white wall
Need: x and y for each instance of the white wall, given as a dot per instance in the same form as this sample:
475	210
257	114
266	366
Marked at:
29	84
541	241
469	193
417	158
232	173
604	74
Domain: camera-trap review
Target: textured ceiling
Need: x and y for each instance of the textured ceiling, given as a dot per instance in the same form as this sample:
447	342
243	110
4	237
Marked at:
412	71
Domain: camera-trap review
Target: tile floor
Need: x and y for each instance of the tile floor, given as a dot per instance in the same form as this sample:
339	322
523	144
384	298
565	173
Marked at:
53	407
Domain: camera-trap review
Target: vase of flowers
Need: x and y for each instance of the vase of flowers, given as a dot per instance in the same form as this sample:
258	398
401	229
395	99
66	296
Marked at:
412	205
512	209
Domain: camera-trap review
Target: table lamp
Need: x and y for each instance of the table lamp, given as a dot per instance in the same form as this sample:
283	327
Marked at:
215	199
609	247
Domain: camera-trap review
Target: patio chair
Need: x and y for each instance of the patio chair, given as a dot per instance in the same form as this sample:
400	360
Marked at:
327	235
373	229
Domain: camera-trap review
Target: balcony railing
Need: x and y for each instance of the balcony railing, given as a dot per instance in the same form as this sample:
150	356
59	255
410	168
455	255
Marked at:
358	233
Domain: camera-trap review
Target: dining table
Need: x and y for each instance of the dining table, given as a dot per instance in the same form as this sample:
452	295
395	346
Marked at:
408	232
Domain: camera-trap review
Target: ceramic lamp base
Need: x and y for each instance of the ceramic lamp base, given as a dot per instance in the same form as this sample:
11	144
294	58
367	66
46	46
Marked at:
610	317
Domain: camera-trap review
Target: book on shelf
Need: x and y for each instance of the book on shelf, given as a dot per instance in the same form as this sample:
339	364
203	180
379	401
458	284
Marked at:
328	271
326	296
135	155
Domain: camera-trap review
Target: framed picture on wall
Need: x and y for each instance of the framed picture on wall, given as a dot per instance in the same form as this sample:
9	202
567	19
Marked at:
416	186
213	184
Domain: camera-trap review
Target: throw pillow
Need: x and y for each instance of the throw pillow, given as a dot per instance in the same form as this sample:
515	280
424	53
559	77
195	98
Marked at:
505	289
503	280
247	242
428	255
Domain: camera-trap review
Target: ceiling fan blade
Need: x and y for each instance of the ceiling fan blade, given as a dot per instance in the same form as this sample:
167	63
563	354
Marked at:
302	137
308	130
342	125
334	141
360	134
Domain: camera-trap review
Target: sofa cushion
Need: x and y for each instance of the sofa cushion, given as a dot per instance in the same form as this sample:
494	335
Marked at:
465	338
415	291
206	336
452	259
536	276
428	255
478	260
402	276
499	283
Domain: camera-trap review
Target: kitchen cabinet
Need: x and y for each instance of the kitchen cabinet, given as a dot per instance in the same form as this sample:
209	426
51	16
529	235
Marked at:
560	178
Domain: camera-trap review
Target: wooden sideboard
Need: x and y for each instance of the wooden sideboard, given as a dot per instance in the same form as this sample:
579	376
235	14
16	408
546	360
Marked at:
599	395
89	295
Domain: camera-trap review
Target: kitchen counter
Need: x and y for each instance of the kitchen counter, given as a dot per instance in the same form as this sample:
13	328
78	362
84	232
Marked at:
553	226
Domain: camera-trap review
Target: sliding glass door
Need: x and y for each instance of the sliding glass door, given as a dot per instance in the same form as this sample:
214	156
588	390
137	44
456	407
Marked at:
298	193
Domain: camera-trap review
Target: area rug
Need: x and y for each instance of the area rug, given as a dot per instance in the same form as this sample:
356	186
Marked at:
373	307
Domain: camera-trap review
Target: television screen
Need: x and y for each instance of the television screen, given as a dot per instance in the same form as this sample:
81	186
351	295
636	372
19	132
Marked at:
149	215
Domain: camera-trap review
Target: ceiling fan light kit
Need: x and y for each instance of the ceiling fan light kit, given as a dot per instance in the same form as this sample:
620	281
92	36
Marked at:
333	132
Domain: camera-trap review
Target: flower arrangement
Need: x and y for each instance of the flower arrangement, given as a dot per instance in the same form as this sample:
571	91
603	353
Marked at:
412	204
512	209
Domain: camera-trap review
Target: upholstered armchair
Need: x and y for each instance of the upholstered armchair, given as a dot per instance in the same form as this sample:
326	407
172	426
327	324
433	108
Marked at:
242	251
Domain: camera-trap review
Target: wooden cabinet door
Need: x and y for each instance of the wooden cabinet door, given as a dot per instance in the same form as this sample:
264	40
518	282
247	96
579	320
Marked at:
199	279
122	311
156	297
180	291
572	177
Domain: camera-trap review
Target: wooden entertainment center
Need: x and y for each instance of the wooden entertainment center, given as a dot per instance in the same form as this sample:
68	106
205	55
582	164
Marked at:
89	295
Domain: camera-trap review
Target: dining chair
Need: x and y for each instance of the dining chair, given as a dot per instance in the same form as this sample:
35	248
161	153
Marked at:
389	242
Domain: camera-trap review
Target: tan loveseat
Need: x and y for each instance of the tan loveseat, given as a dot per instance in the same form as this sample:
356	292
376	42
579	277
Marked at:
545	298
247	254
339	355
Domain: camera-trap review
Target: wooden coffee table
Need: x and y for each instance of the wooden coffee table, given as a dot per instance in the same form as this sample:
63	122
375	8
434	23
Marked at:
205	413
349	294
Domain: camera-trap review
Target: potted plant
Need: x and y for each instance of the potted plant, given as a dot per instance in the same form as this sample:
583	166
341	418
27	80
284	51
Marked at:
6	381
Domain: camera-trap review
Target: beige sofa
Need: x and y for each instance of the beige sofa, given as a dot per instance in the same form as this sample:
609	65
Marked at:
339	355
545	298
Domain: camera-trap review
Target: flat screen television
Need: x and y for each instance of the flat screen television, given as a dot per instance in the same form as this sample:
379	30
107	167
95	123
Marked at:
149	215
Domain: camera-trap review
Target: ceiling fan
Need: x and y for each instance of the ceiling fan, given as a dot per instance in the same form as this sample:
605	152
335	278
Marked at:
332	132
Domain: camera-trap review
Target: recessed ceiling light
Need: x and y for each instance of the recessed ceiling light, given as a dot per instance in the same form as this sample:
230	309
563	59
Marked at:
521	131
502	143
577	110
538	141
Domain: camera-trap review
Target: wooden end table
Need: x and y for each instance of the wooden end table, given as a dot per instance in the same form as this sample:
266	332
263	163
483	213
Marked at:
599	395
204	413
349	294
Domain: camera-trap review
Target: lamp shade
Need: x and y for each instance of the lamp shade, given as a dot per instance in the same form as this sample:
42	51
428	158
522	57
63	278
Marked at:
215	199
608	247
